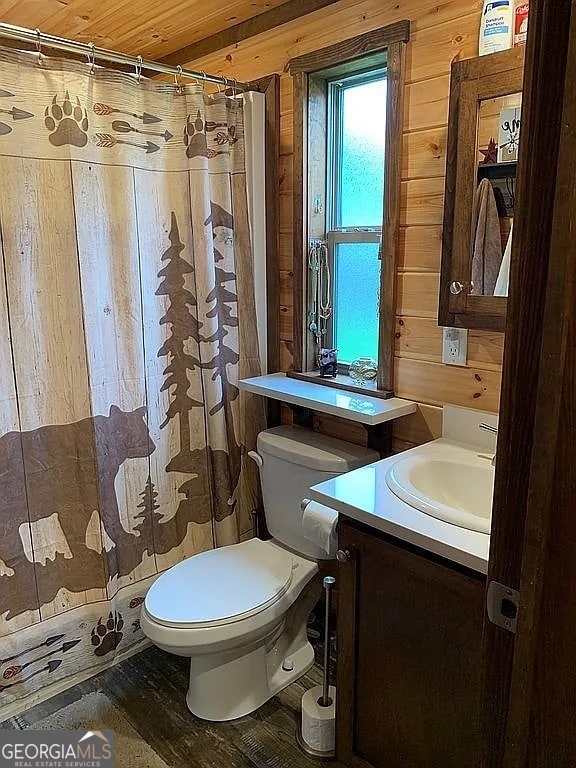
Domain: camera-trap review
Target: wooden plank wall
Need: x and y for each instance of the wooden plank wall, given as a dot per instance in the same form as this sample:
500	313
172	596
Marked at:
441	33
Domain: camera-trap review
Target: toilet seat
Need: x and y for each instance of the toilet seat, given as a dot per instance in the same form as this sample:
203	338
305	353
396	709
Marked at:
220	586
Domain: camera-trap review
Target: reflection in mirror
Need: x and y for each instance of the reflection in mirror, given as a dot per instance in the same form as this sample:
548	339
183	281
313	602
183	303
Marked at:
498	140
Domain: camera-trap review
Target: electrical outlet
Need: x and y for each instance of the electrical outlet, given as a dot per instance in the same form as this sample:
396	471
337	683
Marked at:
454	346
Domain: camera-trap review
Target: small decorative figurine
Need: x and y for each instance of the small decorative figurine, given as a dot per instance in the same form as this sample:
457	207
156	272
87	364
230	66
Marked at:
328	361
490	154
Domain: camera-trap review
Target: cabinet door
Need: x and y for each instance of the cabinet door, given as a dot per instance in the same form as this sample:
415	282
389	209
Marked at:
409	652
484	119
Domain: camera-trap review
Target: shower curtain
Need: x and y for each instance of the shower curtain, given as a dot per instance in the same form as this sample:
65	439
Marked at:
126	319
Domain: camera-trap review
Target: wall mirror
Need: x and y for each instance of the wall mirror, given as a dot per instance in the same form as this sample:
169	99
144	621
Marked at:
484	134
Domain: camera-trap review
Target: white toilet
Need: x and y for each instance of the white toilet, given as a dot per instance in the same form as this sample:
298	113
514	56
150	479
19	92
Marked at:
240	612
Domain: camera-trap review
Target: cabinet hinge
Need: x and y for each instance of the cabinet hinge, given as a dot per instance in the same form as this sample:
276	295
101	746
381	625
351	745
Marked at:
502	604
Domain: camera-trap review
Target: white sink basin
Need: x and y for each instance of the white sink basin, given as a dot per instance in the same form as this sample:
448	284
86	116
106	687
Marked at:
455	488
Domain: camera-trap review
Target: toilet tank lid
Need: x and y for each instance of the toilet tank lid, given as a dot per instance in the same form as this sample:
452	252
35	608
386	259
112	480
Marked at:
313	450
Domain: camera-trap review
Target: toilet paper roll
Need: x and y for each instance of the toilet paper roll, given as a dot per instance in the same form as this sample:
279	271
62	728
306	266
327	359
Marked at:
319	525
318	723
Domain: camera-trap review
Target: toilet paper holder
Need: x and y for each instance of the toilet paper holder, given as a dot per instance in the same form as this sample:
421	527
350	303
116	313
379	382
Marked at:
325	700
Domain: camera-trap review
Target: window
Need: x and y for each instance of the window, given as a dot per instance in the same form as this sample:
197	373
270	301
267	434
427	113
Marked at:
355	190
357	118
355	297
347	141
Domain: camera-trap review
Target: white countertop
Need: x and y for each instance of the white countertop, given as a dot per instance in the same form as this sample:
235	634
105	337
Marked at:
363	495
338	402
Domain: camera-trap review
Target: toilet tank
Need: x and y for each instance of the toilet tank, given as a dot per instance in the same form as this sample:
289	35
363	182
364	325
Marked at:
294	459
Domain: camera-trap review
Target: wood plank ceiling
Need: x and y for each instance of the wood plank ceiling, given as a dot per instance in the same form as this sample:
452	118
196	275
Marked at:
152	28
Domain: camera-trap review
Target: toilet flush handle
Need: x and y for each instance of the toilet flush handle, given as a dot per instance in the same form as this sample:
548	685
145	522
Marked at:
256	457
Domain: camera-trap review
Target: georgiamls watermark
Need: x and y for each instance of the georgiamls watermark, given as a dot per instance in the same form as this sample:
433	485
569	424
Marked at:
56	749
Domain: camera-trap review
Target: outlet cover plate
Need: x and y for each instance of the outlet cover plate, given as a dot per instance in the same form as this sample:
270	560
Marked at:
454	346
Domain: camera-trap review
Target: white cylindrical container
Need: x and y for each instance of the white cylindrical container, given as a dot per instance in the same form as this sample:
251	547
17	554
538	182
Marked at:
318	722
496	26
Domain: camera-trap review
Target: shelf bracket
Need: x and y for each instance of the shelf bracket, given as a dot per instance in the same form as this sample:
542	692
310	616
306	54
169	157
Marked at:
302	417
380	438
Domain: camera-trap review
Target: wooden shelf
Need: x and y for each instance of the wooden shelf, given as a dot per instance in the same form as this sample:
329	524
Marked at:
338	402
497	170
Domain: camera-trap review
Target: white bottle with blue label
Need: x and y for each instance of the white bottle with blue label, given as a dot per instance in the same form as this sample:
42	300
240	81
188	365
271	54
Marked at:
496	32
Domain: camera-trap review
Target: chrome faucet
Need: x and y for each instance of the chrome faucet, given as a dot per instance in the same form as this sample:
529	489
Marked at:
494	430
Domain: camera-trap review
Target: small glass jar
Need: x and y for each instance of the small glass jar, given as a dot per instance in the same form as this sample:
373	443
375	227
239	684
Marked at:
363	370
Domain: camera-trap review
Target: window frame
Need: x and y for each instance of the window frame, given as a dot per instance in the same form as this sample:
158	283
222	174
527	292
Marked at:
335	232
360	54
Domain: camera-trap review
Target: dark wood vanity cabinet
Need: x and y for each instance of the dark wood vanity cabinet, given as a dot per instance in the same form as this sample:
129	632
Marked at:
409	655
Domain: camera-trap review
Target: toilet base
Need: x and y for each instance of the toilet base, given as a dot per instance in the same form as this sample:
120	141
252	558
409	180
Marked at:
232	686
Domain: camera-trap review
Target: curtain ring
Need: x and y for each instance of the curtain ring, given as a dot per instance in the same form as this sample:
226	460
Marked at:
91	57
178	78
138	68
38	44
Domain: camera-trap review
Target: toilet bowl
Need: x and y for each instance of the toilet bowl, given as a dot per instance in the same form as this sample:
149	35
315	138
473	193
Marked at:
242	628
240	612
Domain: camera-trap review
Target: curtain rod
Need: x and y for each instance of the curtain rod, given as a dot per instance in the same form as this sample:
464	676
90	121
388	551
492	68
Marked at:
93	52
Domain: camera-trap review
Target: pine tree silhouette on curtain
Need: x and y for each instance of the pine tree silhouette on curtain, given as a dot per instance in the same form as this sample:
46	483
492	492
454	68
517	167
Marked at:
147	517
130	547
226	466
184	327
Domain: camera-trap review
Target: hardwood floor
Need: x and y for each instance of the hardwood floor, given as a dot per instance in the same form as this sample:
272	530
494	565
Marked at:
149	690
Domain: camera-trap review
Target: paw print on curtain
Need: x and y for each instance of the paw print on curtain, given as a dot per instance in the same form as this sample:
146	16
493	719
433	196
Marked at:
195	137
67	122
107	634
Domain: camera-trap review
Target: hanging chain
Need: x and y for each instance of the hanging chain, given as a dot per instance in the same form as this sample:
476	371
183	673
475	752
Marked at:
320	310
314	267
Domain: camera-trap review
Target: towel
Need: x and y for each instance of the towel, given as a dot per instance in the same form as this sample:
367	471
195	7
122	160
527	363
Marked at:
486	241
501	288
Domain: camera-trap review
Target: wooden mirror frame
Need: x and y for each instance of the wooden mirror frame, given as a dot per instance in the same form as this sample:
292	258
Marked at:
472	81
